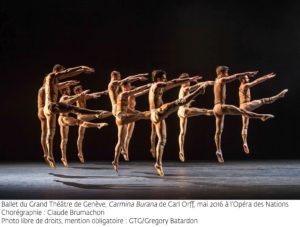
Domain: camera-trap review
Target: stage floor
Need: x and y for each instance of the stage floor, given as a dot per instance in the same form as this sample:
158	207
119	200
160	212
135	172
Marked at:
138	180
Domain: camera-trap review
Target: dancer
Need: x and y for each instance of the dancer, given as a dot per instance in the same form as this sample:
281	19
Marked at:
65	121
221	109
52	107
81	102
160	111
114	90
125	115
185	111
248	105
41	115
114	86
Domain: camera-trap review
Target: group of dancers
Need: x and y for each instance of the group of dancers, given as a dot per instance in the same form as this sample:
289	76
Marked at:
123	96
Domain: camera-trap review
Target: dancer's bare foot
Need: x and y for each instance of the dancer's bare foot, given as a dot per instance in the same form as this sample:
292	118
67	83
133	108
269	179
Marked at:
65	162
152	151
181	156
282	94
267	117
81	158
101	125
125	155
159	170
45	157
115	166
51	162
220	156
246	148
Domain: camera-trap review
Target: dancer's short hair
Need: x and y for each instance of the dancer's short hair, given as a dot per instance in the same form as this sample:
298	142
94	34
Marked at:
222	69
63	90
57	68
158	73
115	73
75	89
184	76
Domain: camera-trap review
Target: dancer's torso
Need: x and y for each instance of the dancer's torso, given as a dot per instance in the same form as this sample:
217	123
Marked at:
51	89
113	91
155	96
244	94
219	92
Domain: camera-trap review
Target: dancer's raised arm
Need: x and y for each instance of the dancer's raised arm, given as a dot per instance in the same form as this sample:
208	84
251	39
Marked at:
70	72
260	80
236	76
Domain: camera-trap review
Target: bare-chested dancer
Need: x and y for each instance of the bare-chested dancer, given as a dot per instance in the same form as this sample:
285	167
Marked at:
65	121
114	89
185	111
52	107
114	86
221	109
160	111
81	102
248	105
125	116
41	115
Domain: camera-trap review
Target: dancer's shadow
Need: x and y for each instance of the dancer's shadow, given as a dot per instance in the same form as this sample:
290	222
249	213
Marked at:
90	168
104	186
81	177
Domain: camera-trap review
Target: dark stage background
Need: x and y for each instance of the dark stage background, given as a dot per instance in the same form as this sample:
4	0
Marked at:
136	37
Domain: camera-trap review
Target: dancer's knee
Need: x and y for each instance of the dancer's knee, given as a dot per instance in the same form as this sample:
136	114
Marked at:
80	139
244	132
50	134
64	141
162	142
265	100
181	135
218	133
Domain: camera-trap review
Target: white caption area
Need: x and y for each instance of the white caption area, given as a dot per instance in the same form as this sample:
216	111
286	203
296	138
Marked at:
149	213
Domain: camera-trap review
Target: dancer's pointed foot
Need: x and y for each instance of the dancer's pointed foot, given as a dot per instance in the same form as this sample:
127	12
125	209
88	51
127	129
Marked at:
101	125
125	155
159	170
115	166
51	162
45	158
152	151
81	158
65	162
282	94
266	117
181	156
220	156
246	148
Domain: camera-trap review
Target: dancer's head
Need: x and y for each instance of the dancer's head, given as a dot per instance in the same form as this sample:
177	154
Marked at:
115	75
185	76
159	75
65	91
222	70
78	89
57	68
244	79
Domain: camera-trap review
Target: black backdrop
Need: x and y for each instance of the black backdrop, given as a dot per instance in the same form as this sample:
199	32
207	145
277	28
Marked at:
138	36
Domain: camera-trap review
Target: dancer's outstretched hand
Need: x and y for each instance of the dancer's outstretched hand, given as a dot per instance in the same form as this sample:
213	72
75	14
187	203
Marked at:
252	74
88	69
